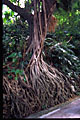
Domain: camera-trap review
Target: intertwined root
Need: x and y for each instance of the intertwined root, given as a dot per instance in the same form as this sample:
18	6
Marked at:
45	87
19	100
50	85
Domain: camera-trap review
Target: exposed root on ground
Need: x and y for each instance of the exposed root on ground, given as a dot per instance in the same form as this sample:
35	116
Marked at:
44	87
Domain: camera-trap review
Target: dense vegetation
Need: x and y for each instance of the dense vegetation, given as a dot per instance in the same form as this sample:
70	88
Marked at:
61	50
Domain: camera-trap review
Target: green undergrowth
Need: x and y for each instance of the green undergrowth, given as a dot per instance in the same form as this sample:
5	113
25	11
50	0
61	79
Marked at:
61	49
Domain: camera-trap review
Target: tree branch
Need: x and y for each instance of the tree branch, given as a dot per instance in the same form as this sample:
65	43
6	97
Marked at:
21	11
50	6
25	13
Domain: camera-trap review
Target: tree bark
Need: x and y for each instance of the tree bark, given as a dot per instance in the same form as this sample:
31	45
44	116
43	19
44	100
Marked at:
45	86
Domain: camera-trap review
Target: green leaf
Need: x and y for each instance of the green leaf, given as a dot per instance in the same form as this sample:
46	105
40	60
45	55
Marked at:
14	60
16	78
13	70
24	79
12	13
13	1
12	55
19	54
17	71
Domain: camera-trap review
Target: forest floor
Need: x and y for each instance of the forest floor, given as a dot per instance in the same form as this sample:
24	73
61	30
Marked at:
69	109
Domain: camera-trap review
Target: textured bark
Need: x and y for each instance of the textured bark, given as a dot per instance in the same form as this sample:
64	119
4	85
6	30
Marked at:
45	86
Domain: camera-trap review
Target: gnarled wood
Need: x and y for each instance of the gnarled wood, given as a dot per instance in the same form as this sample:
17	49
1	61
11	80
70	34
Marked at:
45	86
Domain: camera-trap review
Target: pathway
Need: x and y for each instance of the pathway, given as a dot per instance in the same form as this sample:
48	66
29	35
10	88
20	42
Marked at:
71	110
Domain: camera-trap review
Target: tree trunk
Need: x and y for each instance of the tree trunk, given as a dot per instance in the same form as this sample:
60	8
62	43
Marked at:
45	86
43	78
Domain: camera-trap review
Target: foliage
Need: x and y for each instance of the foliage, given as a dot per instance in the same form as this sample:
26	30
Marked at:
44	85
64	56
14	38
